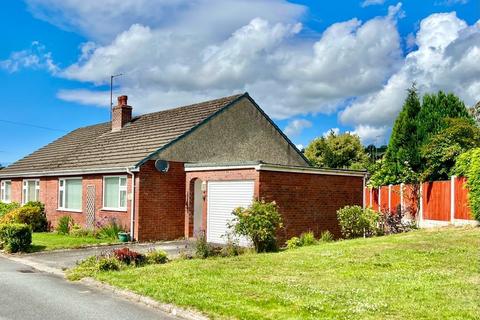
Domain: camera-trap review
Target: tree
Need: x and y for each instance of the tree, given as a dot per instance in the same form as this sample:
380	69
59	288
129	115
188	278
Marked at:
403	149
475	112
442	150
337	151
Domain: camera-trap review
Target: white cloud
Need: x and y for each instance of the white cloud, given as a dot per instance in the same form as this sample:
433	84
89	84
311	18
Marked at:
371	135
35	57
446	59
367	3
336	131
296	126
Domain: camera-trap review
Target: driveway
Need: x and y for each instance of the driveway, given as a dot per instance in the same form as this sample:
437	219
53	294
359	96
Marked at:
29	294
65	259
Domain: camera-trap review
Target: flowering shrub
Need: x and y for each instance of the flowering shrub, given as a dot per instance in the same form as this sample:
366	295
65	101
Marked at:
128	256
259	223
357	222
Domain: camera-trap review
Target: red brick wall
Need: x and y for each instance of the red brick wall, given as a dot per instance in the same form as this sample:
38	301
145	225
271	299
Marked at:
161	202
49	196
240	174
309	202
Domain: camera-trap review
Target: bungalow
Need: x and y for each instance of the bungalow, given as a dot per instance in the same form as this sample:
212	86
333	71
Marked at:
170	174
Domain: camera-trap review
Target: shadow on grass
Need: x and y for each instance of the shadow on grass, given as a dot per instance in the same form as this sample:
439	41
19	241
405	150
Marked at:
36	248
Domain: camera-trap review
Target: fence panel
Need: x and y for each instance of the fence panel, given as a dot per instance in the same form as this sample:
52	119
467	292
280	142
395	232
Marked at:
395	197
436	200
410	198
375	202
462	210
384	198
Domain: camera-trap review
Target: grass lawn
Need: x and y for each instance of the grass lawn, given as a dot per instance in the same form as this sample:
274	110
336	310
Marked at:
51	241
427	274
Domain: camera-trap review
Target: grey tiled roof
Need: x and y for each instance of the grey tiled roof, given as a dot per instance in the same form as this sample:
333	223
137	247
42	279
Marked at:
97	146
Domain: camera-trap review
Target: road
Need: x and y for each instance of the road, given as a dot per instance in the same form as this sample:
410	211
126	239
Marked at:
29	294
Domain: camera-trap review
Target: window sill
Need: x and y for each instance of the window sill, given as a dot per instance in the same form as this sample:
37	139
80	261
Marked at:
69	210
114	209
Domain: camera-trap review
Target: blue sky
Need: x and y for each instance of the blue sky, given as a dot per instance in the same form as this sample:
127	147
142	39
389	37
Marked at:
312	65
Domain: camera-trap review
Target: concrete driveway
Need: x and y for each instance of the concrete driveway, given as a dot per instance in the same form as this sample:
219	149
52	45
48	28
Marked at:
30	294
64	259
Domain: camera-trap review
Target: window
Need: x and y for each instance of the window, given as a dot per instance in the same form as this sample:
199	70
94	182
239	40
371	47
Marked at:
70	194
115	193
31	190
6	191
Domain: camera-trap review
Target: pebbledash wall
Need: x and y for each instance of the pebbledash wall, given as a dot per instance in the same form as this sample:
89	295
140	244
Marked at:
308	199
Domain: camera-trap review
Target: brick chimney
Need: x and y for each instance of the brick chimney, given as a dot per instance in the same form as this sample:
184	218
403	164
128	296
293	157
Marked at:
121	114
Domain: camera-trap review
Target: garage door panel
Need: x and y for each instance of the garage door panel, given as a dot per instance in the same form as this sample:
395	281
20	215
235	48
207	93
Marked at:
223	198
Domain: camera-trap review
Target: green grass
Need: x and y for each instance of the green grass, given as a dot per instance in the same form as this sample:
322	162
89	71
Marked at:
427	274
42	241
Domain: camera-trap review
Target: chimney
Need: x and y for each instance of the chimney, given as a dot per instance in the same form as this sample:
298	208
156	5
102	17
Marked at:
121	114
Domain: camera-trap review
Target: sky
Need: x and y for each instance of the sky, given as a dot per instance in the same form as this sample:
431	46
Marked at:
313	66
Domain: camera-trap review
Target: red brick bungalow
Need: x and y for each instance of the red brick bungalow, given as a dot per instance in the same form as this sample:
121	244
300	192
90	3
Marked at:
168	174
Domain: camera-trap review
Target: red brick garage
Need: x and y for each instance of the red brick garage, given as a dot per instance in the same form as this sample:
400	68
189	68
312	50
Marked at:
308	198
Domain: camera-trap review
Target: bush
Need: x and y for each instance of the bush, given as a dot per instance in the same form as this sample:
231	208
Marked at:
127	256
30	214
259	223
15	237
156	257
392	222
308	238
468	165
79	232
108	264
109	230
326	236
293	243
7	207
203	249
65	223
357	222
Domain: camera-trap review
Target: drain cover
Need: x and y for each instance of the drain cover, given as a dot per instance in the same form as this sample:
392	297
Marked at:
25	271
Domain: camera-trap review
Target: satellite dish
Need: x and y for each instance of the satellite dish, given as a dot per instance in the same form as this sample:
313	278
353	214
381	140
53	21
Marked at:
162	165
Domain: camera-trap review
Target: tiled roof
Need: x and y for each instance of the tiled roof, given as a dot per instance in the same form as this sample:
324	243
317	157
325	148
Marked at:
96	146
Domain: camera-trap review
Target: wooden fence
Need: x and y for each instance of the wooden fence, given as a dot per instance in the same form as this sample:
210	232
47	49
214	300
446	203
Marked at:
438	203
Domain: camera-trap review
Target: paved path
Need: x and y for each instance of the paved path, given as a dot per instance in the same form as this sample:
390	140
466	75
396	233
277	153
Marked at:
29	294
65	259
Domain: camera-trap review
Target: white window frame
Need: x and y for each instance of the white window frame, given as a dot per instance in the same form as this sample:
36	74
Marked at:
120	189
2	191
25	189
62	188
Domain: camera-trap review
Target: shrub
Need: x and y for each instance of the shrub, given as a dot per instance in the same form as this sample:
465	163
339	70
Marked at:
308	238
468	166
293	243
65	223
326	236
127	256
203	249
15	237
7	207
259	223
109	230
156	257
79	232
32	215
357	222
108	264
392	222
231	248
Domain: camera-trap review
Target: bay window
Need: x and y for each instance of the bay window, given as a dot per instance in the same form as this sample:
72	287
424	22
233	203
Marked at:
6	191
115	193
70	194
31	190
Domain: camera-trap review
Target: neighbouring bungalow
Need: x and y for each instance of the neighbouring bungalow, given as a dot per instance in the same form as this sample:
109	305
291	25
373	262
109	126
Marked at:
173	173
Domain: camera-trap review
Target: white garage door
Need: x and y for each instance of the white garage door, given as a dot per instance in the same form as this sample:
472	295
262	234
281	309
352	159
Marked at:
223	197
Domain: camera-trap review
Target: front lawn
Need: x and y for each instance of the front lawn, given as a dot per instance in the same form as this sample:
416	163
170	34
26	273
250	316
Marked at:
52	241
427	274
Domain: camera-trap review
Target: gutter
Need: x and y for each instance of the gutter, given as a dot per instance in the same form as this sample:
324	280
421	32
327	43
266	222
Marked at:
62	172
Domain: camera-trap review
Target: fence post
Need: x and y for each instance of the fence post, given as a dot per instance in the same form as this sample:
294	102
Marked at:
364	193
452	199
402	205
420	213
389	198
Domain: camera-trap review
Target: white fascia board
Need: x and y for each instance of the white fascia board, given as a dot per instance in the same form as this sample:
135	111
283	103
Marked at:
278	168
66	172
221	168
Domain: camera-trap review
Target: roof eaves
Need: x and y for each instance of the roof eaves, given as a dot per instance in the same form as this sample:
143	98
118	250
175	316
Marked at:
188	132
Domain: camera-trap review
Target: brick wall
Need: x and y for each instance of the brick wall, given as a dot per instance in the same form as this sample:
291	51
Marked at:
161	202
49	196
240	174
308	202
